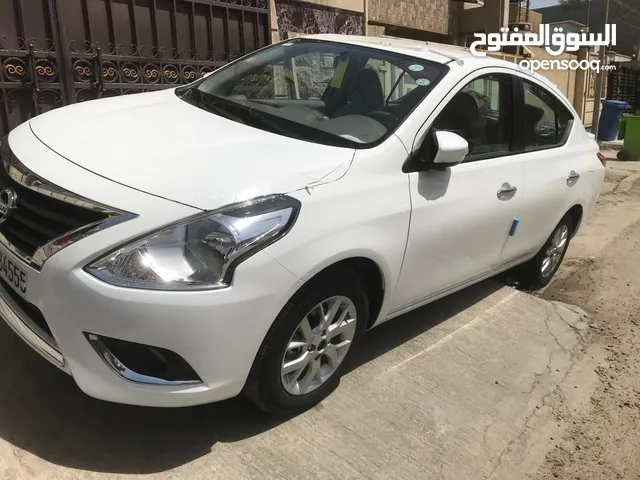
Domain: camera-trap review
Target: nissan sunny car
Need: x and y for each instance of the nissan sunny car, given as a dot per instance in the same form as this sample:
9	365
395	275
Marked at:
241	233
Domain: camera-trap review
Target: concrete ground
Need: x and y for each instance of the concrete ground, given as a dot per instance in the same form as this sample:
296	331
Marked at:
481	384
602	274
445	391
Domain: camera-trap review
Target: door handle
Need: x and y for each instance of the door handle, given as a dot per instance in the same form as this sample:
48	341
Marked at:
573	178
506	192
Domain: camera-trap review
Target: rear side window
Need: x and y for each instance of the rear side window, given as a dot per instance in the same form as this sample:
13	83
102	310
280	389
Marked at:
547	121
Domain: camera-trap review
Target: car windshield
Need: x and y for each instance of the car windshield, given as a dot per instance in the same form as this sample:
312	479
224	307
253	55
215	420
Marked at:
323	92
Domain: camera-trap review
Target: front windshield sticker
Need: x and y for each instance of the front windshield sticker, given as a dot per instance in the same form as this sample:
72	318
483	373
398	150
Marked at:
423	82
416	68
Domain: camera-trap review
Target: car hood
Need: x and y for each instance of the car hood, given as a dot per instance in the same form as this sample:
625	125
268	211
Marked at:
159	144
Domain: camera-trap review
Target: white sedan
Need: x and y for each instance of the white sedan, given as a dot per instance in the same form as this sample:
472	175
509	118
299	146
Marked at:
241	233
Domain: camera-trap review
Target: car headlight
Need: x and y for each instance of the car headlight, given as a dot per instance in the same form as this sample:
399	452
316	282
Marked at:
202	251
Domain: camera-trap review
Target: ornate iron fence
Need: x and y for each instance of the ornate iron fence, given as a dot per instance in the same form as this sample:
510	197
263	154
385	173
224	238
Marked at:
57	52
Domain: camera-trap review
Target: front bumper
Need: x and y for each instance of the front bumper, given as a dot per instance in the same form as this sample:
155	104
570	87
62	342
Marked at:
217	332
25	328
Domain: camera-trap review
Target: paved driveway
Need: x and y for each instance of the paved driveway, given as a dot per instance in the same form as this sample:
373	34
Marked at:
464	388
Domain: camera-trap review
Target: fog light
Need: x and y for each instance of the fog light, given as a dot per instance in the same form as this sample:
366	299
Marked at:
141	363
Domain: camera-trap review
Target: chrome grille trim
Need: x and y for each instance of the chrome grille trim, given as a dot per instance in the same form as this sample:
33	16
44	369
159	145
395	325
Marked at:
26	178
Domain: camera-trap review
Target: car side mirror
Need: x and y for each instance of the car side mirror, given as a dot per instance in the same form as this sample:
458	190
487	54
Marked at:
441	149
451	149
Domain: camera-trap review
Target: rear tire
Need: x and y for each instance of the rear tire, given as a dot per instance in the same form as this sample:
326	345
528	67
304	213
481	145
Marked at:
315	349
538	272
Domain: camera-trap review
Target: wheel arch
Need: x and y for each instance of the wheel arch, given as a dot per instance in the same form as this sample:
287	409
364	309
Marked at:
375	272
576	214
371	274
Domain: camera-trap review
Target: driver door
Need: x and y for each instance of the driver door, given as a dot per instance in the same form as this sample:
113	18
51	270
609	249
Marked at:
462	216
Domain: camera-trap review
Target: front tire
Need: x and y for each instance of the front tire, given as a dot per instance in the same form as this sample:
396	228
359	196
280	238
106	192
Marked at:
538	272
303	355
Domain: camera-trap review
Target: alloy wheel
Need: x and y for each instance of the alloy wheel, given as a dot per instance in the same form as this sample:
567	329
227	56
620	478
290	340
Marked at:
318	345
554	253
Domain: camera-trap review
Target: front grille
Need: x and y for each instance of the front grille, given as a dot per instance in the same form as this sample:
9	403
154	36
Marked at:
39	218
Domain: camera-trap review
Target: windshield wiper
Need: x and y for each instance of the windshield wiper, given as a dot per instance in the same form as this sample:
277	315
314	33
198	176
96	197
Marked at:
207	102
197	98
238	112
268	123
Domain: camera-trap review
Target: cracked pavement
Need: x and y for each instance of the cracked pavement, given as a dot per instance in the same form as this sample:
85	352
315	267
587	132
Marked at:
452	390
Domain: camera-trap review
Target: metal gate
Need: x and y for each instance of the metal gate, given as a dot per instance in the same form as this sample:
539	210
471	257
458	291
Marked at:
57	52
624	84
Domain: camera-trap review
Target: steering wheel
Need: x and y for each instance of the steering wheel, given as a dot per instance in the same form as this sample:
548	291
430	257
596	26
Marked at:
385	118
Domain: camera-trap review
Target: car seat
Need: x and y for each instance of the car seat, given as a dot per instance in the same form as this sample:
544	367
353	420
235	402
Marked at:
532	116
463	117
361	93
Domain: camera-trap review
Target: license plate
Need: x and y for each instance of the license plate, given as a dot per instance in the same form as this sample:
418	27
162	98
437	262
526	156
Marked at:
11	273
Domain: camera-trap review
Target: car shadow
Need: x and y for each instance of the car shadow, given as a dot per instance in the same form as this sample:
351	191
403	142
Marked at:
43	412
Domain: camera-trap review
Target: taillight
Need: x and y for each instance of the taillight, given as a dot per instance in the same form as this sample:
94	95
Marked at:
603	159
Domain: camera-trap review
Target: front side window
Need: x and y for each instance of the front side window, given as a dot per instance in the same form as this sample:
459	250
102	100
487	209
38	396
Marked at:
482	113
546	120
318	91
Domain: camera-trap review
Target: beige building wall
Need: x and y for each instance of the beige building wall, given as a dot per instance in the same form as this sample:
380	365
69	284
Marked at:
489	18
357	6
353	5
275	35
455	20
518	14
429	15
565	80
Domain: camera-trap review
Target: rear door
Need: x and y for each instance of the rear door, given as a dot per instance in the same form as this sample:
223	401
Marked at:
556	175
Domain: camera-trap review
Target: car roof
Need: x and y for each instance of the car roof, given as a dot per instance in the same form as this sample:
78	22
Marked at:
436	52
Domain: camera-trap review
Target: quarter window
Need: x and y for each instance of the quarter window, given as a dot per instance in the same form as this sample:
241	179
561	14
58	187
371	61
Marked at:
547	121
481	113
